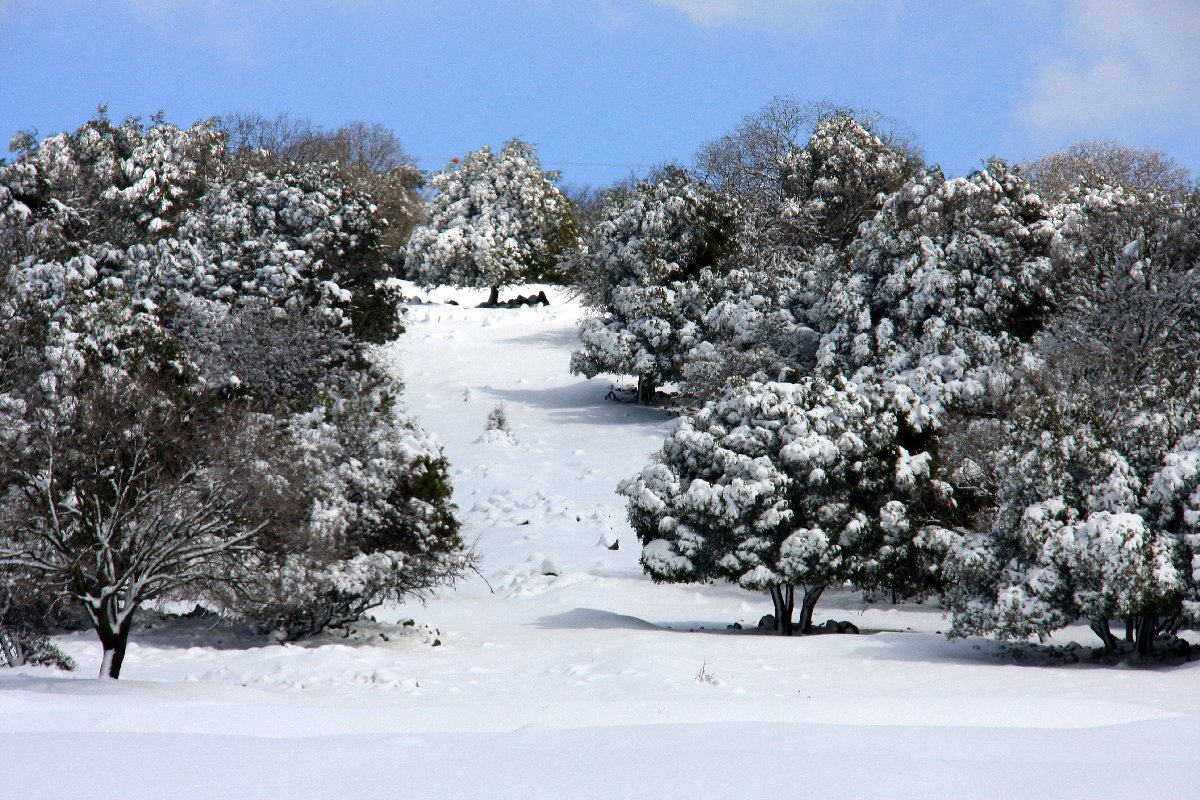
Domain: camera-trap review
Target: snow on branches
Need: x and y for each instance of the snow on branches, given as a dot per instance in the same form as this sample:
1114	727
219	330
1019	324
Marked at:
939	287
179	332
653	267
784	484
495	220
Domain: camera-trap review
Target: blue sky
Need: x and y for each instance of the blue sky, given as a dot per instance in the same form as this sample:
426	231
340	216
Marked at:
609	86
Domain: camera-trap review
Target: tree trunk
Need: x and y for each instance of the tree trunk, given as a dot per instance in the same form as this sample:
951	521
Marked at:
783	597
1100	628
114	638
811	596
1129	629
493	296
10	647
1145	628
645	391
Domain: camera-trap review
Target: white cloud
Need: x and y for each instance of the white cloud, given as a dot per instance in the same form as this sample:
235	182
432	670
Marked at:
763	14
1127	68
226	26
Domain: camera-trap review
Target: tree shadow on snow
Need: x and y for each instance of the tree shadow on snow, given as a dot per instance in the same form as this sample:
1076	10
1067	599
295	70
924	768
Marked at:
594	619
558	339
581	403
916	647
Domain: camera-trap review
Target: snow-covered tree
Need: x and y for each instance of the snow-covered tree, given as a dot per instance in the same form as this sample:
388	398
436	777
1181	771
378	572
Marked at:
1093	521
787	485
939	288
120	483
764	321
170	354
1126	266
368	158
757	160
653	269
495	220
838	181
1093	485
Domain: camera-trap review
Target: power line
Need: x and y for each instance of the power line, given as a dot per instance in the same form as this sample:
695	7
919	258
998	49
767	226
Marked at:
553	164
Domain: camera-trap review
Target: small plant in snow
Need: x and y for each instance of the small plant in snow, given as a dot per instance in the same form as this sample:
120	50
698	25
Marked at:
497	419
498	429
704	676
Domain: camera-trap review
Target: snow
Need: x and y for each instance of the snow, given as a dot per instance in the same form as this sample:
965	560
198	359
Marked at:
582	683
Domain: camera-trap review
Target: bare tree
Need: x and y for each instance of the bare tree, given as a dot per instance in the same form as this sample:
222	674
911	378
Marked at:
119	496
752	161
1095	162
369	156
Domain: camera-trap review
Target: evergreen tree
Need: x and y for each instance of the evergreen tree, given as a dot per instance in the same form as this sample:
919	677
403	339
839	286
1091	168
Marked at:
187	402
654	268
939	288
784	485
495	220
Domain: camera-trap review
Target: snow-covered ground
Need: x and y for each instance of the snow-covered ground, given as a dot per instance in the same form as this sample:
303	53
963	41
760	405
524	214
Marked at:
590	682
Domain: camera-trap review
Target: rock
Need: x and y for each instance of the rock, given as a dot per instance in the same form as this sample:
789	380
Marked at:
767	621
550	568
408	622
451	302
616	545
436	643
541	298
847	627
737	626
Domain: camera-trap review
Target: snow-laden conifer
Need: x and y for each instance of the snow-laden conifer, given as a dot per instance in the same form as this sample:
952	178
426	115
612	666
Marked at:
495	220
653	270
785	485
939	288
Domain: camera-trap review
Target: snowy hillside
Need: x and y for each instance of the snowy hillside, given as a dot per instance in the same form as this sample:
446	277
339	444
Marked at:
562	671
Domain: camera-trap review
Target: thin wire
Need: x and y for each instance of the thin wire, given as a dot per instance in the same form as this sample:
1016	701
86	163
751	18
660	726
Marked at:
566	163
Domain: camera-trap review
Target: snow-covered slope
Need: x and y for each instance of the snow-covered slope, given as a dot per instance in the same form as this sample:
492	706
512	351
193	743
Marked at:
562	671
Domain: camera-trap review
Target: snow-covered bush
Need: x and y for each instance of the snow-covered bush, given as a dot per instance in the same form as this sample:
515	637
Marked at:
788	484
24	620
495	220
497	428
376	523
